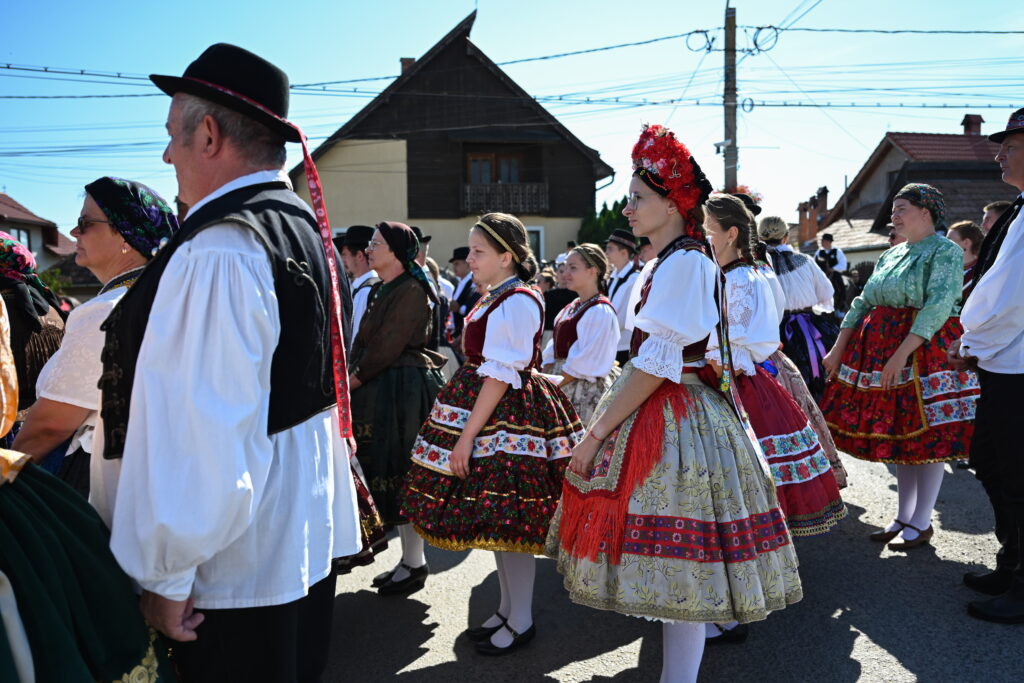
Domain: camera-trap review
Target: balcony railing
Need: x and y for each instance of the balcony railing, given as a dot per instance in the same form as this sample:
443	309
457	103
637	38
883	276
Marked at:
506	197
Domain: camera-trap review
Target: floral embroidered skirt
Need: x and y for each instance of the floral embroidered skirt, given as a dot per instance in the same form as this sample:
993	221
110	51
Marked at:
585	395
516	469
927	417
791	380
804	483
806	338
678	520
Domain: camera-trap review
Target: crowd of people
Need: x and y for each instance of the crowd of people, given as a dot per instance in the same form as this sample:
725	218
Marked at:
248	406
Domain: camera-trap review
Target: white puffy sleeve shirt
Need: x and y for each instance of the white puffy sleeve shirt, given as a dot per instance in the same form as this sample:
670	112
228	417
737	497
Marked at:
805	285
208	504
993	317
592	355
680	310
778	295
634	294
753	320
508	344
71	375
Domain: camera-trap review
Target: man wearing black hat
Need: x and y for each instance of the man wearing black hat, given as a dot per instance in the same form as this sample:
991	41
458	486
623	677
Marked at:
621	251
993	340
222	402
464	298
353	254
832	261
424	240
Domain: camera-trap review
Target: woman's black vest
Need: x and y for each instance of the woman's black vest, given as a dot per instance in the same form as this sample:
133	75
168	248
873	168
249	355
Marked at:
301	376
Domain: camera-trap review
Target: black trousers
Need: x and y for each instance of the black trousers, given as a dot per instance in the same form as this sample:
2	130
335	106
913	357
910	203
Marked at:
997	456
277	644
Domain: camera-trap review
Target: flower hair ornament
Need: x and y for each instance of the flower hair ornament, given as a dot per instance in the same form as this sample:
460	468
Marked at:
666	166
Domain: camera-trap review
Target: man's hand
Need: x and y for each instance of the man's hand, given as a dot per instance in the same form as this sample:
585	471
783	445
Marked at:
173	618
956	361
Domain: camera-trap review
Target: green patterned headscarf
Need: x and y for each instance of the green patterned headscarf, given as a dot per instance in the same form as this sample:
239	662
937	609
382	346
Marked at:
141	215
925	197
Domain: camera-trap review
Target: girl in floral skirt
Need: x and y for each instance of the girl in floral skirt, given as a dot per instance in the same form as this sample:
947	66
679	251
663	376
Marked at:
582	349
668	511
489	461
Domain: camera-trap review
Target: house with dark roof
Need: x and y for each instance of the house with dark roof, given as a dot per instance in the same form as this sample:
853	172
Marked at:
451	138
962	166
40	235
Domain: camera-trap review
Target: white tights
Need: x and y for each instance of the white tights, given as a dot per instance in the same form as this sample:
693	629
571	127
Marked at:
516	572
682	649
412	551
918	488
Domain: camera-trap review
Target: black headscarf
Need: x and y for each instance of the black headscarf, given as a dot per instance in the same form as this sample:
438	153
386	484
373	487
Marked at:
404	245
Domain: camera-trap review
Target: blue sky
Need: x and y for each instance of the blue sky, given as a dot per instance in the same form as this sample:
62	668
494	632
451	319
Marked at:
785	153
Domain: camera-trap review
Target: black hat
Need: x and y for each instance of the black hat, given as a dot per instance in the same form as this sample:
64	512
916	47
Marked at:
748	202
357	236
827	236
424	239
623	238
460	254
253	86
1014	125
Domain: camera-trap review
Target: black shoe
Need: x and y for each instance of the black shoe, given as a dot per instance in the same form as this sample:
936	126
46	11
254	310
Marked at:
989	583
481	633
729	636
381	579
519	640
963	464
410	584
1005	609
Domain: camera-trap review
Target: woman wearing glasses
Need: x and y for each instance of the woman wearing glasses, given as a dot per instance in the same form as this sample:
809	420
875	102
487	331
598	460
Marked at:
121	226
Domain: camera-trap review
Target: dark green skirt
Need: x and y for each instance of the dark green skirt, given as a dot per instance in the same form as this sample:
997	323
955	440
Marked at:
80	613
387	413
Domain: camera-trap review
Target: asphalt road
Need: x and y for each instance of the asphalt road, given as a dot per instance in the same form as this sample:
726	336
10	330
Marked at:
868	613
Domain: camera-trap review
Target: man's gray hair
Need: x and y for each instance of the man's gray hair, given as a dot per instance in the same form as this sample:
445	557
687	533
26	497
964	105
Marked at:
257	144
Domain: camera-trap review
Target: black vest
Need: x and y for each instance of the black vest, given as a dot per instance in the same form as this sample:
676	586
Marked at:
301	375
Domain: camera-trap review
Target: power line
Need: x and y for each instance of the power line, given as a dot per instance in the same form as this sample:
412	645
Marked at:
966	32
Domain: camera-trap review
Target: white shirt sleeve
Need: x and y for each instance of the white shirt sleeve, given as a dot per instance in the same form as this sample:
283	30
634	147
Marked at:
547	356
680	310
71	375
597	336
634	293
993	317
197	454
753	326
508	344
778	296
841	263
824	292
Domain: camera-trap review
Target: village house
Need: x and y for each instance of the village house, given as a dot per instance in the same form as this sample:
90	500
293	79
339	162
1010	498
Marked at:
961	166
451	138
41	236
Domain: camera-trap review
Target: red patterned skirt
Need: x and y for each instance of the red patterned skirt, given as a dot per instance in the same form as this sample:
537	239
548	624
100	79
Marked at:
927	417
804	482
515	478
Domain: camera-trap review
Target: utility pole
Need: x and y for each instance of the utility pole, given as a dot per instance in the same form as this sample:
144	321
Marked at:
732	155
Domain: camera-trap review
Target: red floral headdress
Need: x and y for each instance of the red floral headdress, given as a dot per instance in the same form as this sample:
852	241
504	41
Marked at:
668	168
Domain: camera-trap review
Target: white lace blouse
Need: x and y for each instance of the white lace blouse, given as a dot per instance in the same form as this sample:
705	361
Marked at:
804	283
592	355
71	375
753	320
680	310
508	343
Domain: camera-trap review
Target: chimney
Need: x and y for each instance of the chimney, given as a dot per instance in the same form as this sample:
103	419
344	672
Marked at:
802	209
407	63
812	223
823	200
972	124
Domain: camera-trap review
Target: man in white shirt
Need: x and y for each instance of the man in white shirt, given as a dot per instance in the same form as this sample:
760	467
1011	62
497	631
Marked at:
233	490
621	251
464	298
353	254
993	341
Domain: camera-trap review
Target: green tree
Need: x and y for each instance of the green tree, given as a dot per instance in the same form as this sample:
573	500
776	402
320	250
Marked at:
597	226
55	280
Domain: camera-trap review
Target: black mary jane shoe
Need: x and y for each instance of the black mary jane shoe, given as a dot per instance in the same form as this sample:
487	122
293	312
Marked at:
417	577
486	647
729	636
381	579
481	633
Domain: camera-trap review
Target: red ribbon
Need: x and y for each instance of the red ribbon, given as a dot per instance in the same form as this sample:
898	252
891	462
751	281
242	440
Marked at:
316	195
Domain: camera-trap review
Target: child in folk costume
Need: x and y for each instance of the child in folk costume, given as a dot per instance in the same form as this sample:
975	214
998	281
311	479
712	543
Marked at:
488	464
806	487
586	335
668	511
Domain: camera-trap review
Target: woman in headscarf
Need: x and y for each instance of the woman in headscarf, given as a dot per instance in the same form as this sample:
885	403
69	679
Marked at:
394	378
121	226
892	397
67	610
36	320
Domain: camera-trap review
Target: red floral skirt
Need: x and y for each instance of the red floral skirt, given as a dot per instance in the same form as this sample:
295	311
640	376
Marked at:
804	482
927	417
515	474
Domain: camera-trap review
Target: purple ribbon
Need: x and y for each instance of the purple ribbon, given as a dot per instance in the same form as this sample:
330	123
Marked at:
811	335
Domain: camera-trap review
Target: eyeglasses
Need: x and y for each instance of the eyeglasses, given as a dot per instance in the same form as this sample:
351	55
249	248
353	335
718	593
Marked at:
631	200
84	221
374	244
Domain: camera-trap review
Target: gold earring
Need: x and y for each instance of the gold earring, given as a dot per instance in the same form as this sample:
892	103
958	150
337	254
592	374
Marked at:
124	248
